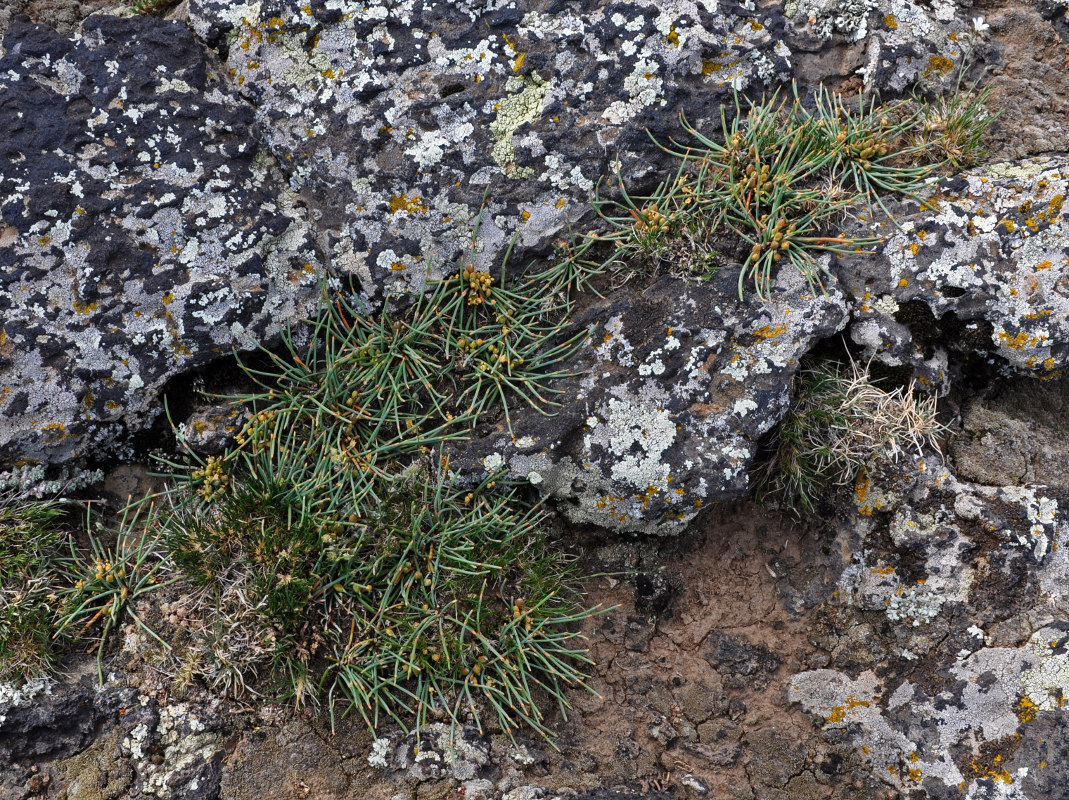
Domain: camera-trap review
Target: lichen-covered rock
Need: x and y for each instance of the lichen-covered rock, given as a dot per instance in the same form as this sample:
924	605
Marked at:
984	272
397	119
968	595
141	232
42	721
676	387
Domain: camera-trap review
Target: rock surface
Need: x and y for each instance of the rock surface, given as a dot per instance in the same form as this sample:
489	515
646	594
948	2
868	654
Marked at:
984	274
142	234
912	643
674	390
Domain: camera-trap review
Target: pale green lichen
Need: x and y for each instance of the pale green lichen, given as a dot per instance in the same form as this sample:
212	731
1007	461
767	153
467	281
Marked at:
512	112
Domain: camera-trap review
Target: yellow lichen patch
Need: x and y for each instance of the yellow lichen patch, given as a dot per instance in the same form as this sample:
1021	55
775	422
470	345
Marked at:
1055	207
58	429
769	332
903	283
890	21
1025	710
1044	265
838	713
518	62
525	215
672	38
938	66
402	202
83	308
560	203
1017	341
861	488
996	771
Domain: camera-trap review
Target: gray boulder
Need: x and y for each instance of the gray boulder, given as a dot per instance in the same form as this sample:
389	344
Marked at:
983	273
675	388
142	232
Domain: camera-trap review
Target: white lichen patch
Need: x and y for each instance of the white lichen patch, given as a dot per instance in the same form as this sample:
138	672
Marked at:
1046	685
636	436
380	749
15	695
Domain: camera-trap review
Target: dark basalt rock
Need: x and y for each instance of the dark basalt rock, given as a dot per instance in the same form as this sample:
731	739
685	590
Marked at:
677	384
141	232
984	273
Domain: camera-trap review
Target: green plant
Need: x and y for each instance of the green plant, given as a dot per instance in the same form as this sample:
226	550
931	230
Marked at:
953	128
26	628
780	181
420	604
448	597
101	585
360	573
28	547
841	423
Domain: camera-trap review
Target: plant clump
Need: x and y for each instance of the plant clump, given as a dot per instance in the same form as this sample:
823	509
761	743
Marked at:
843	423
54	593
364	576
780	181
331	556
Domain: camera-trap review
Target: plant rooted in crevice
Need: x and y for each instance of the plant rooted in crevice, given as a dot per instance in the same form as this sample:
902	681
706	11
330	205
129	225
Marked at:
780	180
840	424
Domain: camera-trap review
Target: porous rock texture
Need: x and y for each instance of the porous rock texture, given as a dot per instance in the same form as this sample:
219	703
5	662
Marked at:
983	271
674	388
965	589
139	236
166	196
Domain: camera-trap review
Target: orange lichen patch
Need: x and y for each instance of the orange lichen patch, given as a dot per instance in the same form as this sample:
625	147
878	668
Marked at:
768	332
838	713
525	215
1055	207
861	488
890	21
902	283
1025	710
996	771
913	248
1018	341
1044	265
883	570
83	308
402	202
55	431
938	66
560	203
